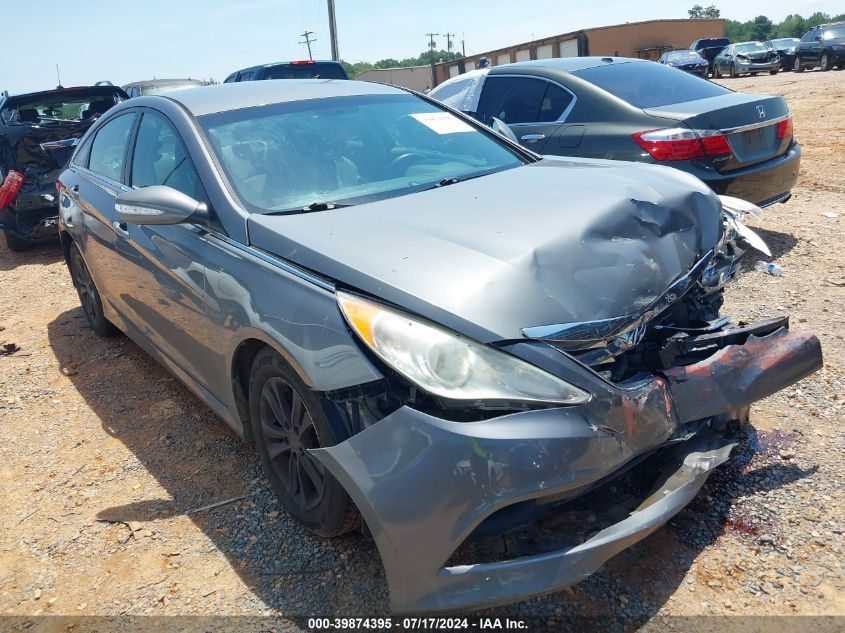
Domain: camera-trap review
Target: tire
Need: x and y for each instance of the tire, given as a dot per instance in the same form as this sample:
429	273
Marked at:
773	72
733	71
753	74
287	418
796	66
89	296
824	63
16	243
716	74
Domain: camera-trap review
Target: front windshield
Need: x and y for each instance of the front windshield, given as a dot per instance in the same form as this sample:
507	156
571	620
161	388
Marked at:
751	47
834	32
680	56
786	43
347	150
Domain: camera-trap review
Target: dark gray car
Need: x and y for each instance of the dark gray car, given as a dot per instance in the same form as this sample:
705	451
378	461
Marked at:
420	325
632	109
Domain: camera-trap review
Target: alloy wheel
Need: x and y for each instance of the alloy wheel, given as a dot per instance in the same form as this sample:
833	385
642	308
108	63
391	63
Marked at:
824	63
289	432
84	287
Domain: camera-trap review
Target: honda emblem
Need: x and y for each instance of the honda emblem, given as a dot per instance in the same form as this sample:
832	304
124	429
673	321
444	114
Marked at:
761	112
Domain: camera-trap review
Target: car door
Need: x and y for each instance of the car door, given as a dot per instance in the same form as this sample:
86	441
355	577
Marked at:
811	48
722	61
96	177
161	267
533	107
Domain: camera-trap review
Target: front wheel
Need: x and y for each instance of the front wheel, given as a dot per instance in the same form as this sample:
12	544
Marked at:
796	66
824	63
89	296
774	72
287	419
733	71
716	73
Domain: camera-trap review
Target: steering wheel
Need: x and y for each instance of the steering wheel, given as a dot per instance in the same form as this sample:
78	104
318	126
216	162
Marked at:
404	161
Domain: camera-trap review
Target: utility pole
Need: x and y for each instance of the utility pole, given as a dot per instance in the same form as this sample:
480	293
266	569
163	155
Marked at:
333	32
449	37
431	46
463	45
58	74
307	35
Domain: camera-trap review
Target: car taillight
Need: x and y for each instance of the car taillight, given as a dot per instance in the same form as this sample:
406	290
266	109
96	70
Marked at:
785	128
10	187
304	61
683	144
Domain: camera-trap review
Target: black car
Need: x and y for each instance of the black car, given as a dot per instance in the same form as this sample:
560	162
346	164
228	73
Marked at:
38	133
822	46
638	110
709	47
302	69
686	60
785	48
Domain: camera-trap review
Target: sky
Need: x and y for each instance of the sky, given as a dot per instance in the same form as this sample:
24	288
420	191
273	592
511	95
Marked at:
124	41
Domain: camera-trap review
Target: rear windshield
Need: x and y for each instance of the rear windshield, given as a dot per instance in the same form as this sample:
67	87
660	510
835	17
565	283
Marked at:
834	32
712	43
47	109
789	41
650	85
306	71
160	89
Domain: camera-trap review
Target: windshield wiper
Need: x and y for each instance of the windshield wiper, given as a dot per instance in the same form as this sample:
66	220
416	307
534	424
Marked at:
444	183
320	205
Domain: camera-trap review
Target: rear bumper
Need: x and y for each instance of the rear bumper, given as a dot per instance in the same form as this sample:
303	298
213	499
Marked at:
33	214
424	484
763	184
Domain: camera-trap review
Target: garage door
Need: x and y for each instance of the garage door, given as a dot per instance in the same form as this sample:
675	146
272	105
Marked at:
454	70
523	56
503	59
544	52
569	48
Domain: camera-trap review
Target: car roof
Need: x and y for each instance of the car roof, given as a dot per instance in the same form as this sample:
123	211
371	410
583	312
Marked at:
161	82
831	24
94	90
234	96
567	64
288	63
748	42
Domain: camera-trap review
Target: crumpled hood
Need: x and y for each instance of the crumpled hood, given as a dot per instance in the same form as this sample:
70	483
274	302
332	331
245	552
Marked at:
554	242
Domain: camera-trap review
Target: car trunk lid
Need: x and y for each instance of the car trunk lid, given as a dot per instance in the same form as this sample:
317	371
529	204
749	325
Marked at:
749	122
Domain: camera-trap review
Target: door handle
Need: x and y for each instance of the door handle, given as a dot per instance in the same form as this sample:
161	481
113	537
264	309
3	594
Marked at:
532	138
121	229
75	189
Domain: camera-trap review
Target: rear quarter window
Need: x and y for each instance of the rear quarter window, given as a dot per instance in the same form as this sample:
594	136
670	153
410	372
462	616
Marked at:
649	84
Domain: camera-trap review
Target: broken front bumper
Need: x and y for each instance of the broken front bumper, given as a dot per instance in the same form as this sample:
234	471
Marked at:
423	484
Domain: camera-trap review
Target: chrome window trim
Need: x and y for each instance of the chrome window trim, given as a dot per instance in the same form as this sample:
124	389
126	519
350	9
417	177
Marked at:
754	126
563	116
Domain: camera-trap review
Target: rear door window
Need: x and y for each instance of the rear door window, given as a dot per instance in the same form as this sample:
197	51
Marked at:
108	150
555	102
649	84
511	99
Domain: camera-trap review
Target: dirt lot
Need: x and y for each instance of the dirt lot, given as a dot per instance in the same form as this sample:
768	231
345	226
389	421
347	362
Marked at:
103	456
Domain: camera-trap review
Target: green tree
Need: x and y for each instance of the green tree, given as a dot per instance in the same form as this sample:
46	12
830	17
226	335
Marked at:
761	28
697	12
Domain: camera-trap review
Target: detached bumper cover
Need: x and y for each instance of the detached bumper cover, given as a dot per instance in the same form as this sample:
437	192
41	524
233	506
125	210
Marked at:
423	484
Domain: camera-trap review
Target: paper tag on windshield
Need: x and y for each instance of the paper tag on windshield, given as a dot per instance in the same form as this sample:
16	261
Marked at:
442	122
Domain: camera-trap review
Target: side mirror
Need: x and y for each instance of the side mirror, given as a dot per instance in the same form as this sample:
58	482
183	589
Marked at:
159	205
500	127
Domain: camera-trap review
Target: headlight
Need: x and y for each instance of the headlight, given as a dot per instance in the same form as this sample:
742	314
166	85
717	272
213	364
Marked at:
448	365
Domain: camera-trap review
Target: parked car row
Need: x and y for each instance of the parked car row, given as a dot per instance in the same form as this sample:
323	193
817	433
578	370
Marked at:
427	328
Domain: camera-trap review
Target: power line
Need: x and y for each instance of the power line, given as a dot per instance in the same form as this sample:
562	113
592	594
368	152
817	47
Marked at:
307	35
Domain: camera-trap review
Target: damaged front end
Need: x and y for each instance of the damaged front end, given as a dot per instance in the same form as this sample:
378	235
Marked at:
673	378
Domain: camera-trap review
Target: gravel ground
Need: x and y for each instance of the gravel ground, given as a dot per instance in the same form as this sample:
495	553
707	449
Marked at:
103	457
